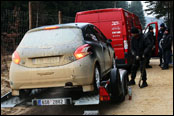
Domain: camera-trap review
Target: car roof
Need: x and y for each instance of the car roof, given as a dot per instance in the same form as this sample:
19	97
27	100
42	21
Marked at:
99	10
79	25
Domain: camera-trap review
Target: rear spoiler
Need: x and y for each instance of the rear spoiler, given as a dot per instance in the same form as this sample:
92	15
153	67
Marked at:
50	28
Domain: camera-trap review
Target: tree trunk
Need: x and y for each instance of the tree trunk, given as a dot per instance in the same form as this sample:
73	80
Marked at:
30	15
60	17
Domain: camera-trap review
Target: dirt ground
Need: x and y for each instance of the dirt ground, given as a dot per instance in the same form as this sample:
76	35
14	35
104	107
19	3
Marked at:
156	99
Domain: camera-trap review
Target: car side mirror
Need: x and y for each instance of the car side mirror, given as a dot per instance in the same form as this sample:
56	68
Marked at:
108	41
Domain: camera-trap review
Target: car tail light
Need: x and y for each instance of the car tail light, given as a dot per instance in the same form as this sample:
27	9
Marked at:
15	58
82	51
125	45
49	28
104	96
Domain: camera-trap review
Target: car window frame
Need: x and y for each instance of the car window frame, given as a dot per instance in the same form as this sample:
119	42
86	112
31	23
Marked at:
88	29
98	34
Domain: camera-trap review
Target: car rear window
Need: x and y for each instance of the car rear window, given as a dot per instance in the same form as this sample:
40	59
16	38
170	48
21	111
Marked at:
49	38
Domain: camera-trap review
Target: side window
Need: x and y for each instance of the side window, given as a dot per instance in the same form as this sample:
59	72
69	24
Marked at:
154	29
89	35
99	34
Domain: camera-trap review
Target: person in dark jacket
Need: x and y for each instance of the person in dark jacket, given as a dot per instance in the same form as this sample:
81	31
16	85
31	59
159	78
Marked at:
160	35
151	38
139	49
166	43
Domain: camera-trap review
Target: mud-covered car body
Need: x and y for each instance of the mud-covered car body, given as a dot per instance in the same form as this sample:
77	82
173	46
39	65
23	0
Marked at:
52	56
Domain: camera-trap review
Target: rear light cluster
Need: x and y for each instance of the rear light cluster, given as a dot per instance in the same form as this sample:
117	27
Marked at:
15	58
125	48
125	45
104	95
82	51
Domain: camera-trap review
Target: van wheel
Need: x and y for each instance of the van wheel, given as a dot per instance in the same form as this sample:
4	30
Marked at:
96	79
117	93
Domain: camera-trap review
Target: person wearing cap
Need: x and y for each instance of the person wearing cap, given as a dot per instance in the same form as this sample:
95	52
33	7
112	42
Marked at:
166	43
160	35
150	36
139	50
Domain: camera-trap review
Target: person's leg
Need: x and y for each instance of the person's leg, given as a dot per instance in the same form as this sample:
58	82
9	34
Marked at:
160	55
165	60
134	69
162	58
143	73
170	59
148	60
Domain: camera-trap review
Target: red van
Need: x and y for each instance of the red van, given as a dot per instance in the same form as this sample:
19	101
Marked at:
115	23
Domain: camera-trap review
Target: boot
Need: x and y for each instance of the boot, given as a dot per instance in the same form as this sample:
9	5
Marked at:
148	66
165	68
144	84
131	82
162	65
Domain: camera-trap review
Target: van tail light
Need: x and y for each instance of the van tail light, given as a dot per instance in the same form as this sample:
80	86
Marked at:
104	95
15	58
82	51
125	45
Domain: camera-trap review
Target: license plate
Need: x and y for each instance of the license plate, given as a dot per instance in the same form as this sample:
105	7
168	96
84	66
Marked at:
45	60
51	101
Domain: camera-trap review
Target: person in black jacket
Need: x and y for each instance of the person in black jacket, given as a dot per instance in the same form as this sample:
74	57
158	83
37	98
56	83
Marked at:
151	38
139	49
160	35
166	43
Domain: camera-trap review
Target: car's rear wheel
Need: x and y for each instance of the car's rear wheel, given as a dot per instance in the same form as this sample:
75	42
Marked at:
96	79
25	92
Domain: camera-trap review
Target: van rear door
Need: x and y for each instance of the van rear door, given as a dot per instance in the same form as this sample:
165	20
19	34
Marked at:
155	30
88	18
111	26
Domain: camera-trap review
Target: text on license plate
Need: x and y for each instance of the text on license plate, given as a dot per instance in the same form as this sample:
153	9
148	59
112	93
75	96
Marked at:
51	101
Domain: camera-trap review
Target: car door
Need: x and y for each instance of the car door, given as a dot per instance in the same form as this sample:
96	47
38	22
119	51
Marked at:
155	30
91	39
105	48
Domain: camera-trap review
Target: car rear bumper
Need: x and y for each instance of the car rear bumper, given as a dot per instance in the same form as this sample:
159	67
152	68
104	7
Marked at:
79	72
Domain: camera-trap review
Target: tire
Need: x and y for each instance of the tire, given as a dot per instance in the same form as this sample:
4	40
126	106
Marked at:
97	78
24	93
117	93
